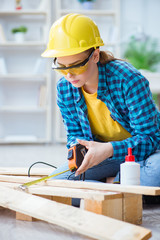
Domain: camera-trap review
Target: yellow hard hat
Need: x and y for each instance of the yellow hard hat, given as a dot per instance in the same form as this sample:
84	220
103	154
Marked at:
72	34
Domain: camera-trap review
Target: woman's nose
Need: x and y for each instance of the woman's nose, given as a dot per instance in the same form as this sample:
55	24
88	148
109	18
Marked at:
69	75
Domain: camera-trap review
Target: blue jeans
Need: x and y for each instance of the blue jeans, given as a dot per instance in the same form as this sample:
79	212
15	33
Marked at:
149	171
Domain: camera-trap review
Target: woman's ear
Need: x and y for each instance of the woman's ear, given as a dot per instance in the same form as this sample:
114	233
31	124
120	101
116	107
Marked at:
96	55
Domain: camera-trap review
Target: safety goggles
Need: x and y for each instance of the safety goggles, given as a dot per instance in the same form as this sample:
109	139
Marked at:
74	69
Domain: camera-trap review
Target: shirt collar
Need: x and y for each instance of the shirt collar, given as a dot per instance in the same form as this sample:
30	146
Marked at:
102	84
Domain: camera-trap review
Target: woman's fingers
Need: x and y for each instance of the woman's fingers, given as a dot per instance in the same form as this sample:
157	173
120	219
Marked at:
97	152
84	166
84	143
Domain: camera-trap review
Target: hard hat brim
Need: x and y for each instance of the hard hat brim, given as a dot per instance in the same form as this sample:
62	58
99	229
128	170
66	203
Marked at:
48	53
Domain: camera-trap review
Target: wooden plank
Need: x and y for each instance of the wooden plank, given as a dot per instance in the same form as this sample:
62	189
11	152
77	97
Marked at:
126	206
111	208
71	218
24	217
63	195
132	208
98	195
75	193
24	171
17	179
64	200
145	190
9	184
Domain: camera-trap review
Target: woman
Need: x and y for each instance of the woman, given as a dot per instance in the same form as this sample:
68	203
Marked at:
106	104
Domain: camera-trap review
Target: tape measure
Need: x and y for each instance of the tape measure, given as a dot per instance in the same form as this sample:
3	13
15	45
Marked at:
75	156
26	185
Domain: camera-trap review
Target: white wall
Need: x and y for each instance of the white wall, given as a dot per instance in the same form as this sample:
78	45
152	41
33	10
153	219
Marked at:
140	13
134	15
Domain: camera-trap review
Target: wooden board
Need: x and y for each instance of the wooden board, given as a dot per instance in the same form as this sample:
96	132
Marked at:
23	217
105	186
17	179
126	206
71	218
97	195
132	208
111	207
24	171
87	185
101	202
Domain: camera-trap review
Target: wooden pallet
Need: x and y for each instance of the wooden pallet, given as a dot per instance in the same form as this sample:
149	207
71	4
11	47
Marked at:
112	200
97	197
76	220
101	202
128	207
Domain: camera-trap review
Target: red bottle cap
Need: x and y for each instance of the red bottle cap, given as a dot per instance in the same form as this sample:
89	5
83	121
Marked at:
130	157
18	8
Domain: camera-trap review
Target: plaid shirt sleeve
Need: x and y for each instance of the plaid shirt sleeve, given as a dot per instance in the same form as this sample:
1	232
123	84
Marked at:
71	120
143	119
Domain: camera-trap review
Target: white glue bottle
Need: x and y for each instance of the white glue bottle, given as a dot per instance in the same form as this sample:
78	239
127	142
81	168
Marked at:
130	170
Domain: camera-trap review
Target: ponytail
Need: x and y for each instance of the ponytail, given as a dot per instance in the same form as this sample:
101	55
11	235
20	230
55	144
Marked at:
106	57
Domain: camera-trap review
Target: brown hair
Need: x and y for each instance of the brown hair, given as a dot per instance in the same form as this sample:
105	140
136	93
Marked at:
105	56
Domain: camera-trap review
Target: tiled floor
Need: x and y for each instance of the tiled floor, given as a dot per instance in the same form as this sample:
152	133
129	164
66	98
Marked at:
24	156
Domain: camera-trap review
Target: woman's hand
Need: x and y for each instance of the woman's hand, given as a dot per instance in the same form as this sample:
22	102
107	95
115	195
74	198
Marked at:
97	152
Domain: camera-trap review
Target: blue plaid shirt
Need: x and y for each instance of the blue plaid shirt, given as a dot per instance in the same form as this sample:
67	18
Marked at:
127	95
